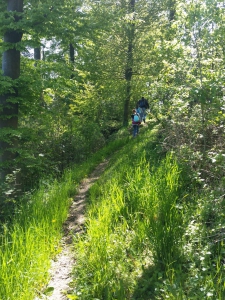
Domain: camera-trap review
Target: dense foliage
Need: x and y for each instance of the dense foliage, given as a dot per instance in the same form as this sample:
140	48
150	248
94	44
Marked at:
82	66
96	59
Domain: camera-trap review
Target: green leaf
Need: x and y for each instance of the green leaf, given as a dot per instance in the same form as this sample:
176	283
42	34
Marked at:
48	291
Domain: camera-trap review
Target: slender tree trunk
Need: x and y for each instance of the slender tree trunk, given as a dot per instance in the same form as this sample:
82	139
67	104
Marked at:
37	53
199	59
71	53
128	77
128	71
8	103
72	59
172	9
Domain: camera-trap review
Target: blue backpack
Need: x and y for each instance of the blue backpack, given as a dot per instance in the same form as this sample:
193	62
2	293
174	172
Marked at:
136	118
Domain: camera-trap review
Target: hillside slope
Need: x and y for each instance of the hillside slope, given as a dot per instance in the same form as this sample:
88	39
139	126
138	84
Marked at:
146	232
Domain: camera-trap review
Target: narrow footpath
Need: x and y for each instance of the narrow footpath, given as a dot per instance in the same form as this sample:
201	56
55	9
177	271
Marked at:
61	267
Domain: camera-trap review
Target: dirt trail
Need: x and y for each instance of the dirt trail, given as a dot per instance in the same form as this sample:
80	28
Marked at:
61	267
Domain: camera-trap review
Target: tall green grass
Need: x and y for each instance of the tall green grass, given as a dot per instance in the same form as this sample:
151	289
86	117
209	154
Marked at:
130	225
147	232
28	244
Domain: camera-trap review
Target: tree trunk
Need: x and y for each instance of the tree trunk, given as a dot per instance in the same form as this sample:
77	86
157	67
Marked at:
172	9
128	77
71	53
72	59
37	53
128	71
8	103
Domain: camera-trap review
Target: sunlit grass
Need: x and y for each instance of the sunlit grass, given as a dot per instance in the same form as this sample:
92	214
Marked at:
125	226
147	234
137	244
28	244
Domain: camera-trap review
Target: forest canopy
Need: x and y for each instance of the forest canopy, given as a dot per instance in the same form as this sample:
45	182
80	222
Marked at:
73	70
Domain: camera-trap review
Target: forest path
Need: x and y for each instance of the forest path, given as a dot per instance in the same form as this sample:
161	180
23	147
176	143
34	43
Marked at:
61	268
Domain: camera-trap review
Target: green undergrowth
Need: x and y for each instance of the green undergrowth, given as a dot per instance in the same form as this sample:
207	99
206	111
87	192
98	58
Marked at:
146	233
32	238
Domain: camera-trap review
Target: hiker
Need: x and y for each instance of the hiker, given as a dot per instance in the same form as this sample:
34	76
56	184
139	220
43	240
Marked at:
140	112
143	105
135	117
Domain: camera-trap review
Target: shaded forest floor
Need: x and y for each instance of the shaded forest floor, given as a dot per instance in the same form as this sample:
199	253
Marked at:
61	268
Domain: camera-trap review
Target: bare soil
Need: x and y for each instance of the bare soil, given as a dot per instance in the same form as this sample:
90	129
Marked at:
61	268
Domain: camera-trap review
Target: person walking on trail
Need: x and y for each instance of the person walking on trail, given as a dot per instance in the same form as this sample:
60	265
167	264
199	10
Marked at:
140	112
143	105
136	121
